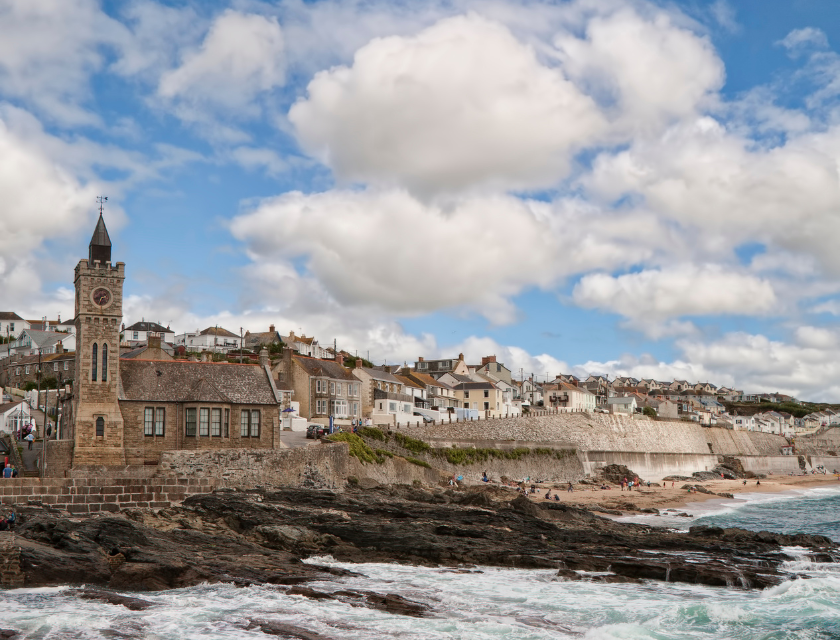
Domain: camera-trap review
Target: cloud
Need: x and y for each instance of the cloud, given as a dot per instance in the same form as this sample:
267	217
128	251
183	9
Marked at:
686	290
798	39
463	103
723	190
388	249
48	51
241	57
648	71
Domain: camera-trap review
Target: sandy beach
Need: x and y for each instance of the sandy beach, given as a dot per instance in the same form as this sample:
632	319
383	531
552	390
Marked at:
674	497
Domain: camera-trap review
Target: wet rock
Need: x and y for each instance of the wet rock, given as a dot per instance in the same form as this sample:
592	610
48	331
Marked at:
135	604
8	634
272	628
390	602
616	473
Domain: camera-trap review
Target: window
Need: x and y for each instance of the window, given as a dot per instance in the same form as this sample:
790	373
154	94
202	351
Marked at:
392	407
216	423
486	406
332	388
94	358
55	366
486	393
338	389
149	421
243	423
340	408
466	394
27	370
354	409
321	406
100	427
190	424
17	371
65	365
406	408
422	365
136	335
104	363
255	423
11	326
204	422
160	414
227	423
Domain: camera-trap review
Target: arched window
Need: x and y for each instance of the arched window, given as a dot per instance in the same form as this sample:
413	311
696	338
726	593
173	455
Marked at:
100	427
94	358
104	362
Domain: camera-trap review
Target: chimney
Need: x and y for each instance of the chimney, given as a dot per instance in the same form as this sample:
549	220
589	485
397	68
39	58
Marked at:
59	348
153	342
264	357
359	363
420	359
291	334
487	360
460	356
271	328
339	358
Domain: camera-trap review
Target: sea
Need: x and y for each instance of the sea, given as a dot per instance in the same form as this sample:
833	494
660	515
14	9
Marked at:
486	603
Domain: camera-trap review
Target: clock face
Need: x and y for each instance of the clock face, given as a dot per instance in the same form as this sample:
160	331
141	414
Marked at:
101	296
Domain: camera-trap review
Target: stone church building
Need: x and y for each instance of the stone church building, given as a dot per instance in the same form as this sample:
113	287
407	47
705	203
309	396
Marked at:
127	411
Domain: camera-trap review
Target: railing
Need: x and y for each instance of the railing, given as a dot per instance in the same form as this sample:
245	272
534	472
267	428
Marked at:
378	394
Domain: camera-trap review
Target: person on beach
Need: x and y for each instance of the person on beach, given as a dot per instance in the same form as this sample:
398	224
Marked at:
548	495
758	481
571	488
14	472
745	483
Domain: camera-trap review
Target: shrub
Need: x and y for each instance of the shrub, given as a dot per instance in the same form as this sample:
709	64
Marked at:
383	454
649	411
358	447
353	480
419	463
412	444
373	432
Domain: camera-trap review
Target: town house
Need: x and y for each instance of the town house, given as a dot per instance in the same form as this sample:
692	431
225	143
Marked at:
322	388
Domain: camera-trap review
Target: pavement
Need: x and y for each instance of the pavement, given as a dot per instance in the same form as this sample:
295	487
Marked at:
294	439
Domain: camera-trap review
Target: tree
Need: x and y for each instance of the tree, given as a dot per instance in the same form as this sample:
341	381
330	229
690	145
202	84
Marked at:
649	411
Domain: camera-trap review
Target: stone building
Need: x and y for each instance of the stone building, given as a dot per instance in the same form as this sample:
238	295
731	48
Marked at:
127	411
16	371
322	388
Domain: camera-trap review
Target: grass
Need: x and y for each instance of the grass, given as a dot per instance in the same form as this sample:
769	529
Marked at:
383	454
358	447
419	463
373	432
412	444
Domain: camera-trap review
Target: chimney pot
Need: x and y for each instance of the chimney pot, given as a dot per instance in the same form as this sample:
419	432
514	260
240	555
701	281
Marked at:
339	358
271	328
358	363
460	356
264	357
420	359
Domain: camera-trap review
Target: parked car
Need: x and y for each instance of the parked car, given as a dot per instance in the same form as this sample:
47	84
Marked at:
316	431
425	417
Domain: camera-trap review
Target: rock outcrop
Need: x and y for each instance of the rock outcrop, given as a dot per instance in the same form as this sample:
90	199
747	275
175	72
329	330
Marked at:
261	536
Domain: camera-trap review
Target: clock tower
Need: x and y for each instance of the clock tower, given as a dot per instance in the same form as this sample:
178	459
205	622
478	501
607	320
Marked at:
98	429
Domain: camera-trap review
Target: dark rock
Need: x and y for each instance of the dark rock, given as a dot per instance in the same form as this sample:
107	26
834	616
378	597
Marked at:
272	628
135	604
8	634
615	473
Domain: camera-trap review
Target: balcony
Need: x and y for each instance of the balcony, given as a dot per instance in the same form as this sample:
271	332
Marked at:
378	394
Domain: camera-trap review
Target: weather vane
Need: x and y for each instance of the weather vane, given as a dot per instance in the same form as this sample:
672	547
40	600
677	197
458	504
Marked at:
101	200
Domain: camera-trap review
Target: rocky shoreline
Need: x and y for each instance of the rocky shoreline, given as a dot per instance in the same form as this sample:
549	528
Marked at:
262	536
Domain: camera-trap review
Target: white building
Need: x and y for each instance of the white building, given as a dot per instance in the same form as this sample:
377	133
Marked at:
13	415
623	406
30	342
11	324
215	339
140	332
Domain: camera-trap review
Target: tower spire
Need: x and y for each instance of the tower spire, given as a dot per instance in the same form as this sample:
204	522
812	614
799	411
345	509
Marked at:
100	243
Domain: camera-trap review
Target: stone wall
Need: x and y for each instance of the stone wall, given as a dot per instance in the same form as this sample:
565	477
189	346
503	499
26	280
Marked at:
649	466
321	466
584	431
92	495
783	465
59	458
819	443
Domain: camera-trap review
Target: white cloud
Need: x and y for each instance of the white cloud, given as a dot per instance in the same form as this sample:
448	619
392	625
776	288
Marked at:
650	69
391	250
48	51
723	191
463	103
806	37
241	57
660	294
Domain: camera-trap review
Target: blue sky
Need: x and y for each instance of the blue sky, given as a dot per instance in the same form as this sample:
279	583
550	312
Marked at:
594	186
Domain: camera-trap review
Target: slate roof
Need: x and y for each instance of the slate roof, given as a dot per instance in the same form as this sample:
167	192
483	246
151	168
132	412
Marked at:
148	326
46	338
474	385
9	315
426	379
9	405
179	381
218	331
384	376
264	337
408	382
323	368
